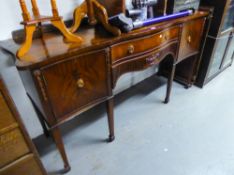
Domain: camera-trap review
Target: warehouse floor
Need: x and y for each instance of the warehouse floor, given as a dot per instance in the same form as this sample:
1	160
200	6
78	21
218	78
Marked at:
192	135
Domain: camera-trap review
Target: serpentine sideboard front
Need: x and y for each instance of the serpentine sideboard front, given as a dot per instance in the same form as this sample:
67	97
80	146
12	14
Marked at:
64	80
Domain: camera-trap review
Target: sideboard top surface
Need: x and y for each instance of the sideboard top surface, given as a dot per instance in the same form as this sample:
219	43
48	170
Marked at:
51	47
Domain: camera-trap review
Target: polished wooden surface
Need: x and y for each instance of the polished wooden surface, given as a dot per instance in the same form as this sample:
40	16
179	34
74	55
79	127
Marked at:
144	61
115	7
102	16
138	46
191	38
44	50
76	82
15	144
96	13
67	79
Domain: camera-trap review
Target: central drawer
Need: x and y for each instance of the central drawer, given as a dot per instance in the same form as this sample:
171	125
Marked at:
143	61
76	83
137	46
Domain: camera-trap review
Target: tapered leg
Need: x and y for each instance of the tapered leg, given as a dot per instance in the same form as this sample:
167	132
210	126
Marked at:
110	114
59	143
191	73
169	83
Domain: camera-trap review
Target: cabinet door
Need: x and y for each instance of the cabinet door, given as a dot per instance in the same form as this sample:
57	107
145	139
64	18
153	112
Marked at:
191	38
229	17
229	55
76	83
218	55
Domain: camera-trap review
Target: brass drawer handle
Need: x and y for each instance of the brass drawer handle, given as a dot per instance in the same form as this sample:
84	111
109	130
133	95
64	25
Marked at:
131	49
80	83
189	39
163	36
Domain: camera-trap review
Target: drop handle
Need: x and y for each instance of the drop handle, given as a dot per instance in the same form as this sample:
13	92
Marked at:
131	49
80	83
151	60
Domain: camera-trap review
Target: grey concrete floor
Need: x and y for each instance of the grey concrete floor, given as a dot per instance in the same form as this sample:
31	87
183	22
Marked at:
192	135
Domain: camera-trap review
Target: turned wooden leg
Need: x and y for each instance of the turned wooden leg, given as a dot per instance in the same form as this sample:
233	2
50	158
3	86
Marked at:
29	30
103	18
169	83
90	12
59	143
78	15
110	114
69	37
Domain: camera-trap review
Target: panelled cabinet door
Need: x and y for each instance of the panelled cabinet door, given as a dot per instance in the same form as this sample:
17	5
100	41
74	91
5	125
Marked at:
229	54
218	55
191	38
76	83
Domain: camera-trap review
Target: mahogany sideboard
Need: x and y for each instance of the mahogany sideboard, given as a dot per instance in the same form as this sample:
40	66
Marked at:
17	152
64	80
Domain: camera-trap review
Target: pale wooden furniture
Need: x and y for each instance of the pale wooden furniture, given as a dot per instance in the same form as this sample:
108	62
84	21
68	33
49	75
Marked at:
32	22
18	155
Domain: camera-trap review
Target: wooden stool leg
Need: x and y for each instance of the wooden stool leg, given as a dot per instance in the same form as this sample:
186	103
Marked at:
59	143
90	9
110	113
169	83
78	15
29	30
69	37
101	15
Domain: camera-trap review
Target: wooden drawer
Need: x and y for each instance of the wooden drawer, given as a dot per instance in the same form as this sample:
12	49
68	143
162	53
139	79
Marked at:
77	83
138	46
7	118
24	166
191	38
12	146
144	61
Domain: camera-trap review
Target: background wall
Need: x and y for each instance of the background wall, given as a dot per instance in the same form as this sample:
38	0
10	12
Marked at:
10	17
10	13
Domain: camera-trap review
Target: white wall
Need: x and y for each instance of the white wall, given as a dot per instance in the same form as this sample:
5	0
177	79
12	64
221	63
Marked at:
10	13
